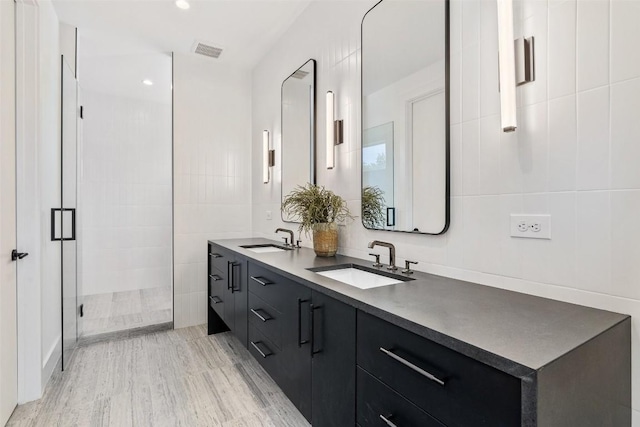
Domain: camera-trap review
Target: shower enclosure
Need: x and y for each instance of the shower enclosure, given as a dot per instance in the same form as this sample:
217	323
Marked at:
116	225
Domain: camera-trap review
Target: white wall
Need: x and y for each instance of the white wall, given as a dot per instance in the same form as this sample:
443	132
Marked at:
38	147
574	155
212	190
125	187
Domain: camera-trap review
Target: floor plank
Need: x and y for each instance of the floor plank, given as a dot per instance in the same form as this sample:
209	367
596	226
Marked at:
172	378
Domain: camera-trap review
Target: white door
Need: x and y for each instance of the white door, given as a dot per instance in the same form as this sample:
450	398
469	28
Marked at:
8	331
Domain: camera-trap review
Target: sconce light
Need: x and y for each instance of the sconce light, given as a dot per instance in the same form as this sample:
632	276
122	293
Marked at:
334	131
268	157
516	64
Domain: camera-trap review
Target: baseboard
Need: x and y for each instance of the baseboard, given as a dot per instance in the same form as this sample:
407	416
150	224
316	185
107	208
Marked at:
52	360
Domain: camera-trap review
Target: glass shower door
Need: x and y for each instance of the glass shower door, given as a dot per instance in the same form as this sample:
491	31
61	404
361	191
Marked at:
66	215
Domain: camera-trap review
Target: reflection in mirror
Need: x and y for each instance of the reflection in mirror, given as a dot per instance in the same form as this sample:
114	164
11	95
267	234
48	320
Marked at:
298	130
405	129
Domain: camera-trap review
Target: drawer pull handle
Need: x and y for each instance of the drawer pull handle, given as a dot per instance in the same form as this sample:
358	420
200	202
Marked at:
215	255
263	354
412	366
215	300
388	421
215	277
261	280
261	317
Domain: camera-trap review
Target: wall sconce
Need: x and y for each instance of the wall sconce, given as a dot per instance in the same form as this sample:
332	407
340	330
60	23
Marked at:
516	64
334	131
268	157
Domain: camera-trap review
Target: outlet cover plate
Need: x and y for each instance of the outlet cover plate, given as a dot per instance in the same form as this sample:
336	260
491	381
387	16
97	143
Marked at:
531	226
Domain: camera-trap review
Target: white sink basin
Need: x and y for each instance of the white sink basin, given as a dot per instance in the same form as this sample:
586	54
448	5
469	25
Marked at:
359	278
265	250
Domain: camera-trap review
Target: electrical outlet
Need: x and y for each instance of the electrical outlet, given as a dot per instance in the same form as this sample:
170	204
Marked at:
269	216
531	226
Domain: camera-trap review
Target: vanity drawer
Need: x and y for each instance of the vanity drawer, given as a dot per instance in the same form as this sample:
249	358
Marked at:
216	294
266	319
376	400
264	351
270	287
219	260
454	388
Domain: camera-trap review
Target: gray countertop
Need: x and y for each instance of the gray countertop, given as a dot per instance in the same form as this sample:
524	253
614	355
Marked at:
511	331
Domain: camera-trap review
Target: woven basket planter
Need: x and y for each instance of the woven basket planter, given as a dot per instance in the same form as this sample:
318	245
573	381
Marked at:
325	239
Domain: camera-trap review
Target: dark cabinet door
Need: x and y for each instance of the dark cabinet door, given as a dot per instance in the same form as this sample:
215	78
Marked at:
295	375
229	297
240	299
333	377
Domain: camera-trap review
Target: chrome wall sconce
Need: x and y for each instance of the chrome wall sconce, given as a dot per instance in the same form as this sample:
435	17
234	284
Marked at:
516	64
334	131
268	157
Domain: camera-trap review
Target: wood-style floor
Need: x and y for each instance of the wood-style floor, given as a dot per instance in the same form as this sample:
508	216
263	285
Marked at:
174	378
119	311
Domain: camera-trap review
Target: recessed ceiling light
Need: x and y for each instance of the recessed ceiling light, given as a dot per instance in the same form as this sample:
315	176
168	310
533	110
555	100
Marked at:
147	82
183	4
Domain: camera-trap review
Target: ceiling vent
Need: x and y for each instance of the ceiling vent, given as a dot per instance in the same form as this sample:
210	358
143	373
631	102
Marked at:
207	50
299	74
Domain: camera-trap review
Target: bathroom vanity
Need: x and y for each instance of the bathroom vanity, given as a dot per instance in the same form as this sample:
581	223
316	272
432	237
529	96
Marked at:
425	351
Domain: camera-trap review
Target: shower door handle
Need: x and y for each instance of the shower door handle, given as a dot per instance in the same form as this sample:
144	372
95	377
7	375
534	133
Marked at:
57	221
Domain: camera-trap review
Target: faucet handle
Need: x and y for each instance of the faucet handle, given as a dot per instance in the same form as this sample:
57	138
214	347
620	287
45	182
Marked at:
407	265
298	244
377	264
286	241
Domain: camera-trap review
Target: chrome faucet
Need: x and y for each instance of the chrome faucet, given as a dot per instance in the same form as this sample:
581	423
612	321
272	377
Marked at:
284	230
392	252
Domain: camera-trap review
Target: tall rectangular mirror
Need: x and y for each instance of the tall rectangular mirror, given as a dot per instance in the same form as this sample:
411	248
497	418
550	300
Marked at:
405	116
298	129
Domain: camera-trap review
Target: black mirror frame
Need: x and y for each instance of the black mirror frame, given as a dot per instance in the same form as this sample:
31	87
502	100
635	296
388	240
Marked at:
447	69
312	149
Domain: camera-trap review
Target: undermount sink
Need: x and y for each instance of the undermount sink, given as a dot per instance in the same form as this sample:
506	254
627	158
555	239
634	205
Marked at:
359	276
265	248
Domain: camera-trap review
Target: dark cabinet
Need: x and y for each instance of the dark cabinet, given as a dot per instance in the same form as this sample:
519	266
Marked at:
454	388
341	366
333	376
306	341
379	405
295	379
228	292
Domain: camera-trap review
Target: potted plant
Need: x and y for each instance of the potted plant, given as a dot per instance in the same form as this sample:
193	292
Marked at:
373	215
319	211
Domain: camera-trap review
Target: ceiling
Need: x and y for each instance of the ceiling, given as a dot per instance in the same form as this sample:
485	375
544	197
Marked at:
245	29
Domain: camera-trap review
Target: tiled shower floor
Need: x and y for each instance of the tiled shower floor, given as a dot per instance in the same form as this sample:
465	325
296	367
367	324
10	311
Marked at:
119	311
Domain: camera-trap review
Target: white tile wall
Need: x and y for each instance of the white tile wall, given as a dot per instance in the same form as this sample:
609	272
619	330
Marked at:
125	186
212	190
574	156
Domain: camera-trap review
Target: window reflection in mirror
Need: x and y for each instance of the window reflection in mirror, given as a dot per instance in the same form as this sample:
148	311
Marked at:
404	116
298	129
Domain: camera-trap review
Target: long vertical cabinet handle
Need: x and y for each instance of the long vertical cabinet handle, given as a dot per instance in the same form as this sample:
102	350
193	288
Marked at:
233	277
312	328
300	341
229	276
